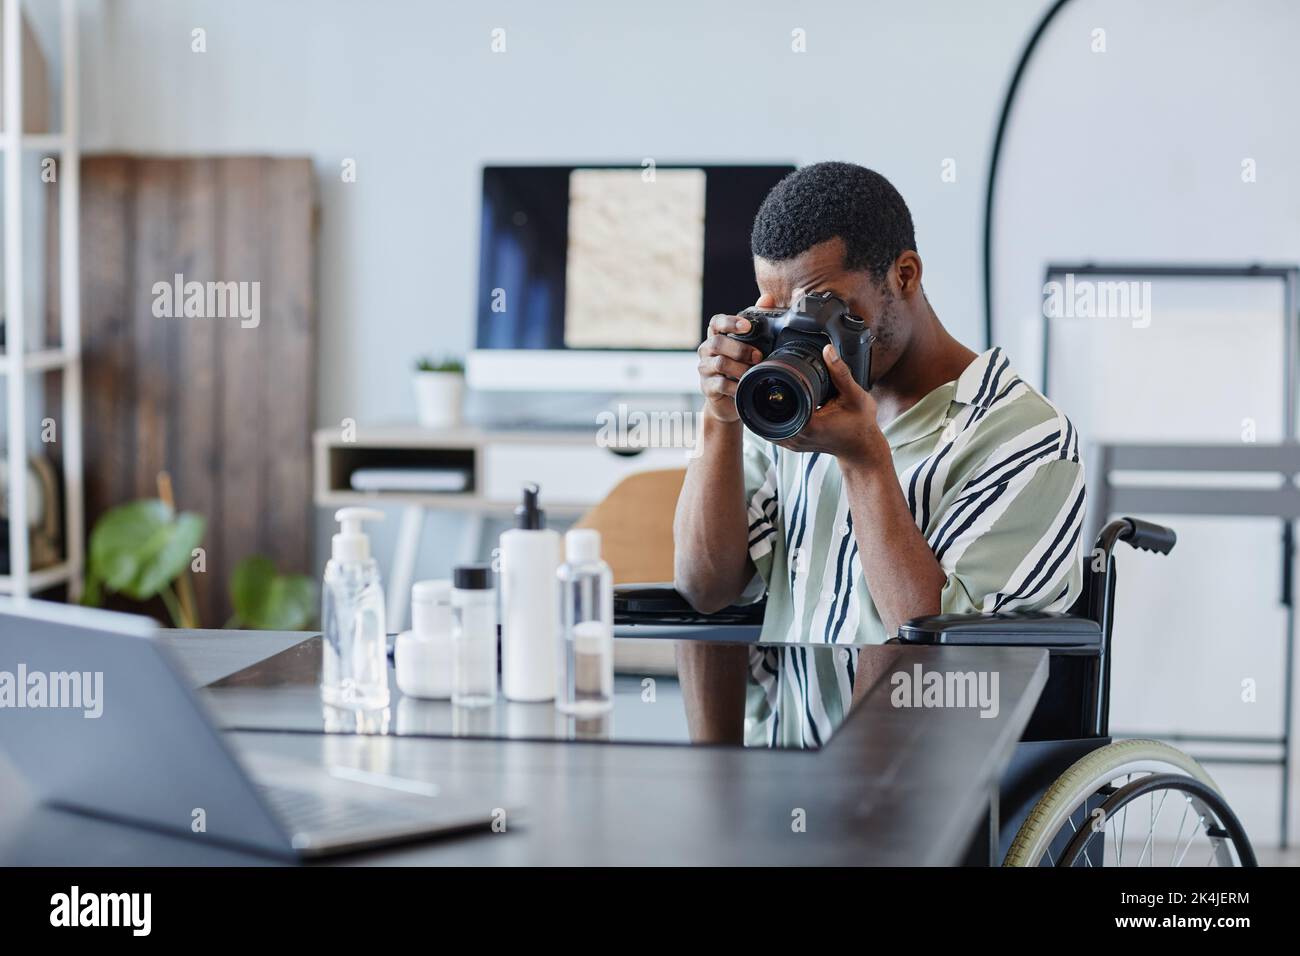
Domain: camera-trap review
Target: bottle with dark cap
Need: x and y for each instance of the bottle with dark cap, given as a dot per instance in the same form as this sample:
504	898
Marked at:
530	608
474	636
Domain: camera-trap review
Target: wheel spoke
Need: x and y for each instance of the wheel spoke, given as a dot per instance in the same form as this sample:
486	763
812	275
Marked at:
1155	815
1084	807
1087	816
1191	837
1187	805
1123	826
1123	821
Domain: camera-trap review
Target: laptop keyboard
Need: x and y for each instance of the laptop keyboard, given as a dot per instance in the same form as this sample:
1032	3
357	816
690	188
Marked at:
304	811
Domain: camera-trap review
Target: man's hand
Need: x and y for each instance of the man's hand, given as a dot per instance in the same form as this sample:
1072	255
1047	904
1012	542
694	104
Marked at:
845	426
723	360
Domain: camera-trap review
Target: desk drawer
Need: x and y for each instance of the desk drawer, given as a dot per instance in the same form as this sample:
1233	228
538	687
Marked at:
568	474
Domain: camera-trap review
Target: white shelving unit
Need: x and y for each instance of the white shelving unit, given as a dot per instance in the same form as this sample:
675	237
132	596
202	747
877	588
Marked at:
17	362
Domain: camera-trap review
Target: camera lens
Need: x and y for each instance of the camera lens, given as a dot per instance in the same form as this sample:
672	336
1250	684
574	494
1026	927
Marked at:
774	401
776	398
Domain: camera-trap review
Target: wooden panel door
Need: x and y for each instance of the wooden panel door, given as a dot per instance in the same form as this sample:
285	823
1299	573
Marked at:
224	404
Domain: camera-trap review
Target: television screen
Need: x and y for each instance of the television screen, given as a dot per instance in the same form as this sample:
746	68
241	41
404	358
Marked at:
614	257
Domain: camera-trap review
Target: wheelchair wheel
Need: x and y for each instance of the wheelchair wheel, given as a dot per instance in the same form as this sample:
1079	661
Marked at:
1211	817
1132	803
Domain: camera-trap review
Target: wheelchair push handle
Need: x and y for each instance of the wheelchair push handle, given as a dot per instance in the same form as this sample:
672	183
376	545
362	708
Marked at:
1145	535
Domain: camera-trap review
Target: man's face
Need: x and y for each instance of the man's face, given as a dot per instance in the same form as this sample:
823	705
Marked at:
821	269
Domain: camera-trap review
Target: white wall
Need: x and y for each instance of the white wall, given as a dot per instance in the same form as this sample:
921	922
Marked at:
413	93
1136	153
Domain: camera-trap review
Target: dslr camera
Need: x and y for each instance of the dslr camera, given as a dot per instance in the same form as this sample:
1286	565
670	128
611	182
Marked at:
777	397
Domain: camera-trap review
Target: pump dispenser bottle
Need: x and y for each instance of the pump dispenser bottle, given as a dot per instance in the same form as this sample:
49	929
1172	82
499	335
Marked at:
530	556
354	673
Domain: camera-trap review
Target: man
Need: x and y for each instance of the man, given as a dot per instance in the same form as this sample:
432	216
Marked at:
952	486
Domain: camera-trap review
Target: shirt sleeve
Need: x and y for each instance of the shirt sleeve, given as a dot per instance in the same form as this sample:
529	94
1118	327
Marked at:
1015	543
761	502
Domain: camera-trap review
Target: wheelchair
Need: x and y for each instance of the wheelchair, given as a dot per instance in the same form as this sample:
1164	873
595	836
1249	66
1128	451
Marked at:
1071	796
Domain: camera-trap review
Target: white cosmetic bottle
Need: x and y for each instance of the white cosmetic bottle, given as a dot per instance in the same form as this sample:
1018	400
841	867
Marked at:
530	607
354	672
422	656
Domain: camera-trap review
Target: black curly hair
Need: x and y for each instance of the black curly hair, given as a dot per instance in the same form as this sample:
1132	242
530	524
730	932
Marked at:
829	200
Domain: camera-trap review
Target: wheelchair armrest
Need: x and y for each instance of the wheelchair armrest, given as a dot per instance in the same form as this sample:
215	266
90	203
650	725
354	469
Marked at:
1014	628
664	604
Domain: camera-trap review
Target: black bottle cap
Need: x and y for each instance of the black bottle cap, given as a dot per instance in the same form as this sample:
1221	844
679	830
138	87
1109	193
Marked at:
528	515
472	577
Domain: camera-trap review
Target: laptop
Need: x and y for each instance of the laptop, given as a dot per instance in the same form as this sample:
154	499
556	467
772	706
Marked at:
98	719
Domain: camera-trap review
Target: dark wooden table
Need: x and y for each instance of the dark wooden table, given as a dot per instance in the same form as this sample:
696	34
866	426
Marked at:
894	786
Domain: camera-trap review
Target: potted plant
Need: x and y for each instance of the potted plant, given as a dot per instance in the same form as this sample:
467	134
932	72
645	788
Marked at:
145	549
439	386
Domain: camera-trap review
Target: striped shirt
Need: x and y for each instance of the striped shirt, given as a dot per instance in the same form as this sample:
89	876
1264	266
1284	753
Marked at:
991	472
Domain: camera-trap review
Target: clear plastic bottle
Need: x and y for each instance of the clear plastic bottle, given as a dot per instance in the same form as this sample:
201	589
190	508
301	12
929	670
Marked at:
474	636
586	665
354	672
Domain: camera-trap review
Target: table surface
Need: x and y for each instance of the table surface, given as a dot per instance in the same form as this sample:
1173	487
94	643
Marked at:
283	693
894	786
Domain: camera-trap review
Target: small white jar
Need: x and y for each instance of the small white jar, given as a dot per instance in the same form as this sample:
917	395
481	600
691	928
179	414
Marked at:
423	657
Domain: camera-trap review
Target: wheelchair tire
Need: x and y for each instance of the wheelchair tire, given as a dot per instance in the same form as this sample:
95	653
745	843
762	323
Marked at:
1085	778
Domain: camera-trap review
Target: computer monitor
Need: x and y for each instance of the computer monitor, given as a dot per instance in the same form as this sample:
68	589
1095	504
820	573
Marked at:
602	278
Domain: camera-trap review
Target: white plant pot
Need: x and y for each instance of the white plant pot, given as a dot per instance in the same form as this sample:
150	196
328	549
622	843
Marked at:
438	398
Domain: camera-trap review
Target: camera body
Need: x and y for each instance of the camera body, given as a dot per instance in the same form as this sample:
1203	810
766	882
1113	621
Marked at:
776	397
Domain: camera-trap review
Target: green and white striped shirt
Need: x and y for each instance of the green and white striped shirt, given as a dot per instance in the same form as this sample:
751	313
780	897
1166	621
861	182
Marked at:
991	471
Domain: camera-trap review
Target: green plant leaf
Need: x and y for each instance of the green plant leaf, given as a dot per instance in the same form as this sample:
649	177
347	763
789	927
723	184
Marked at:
250	584
141	547
447	363
173	557
92	592
292	605
267	600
